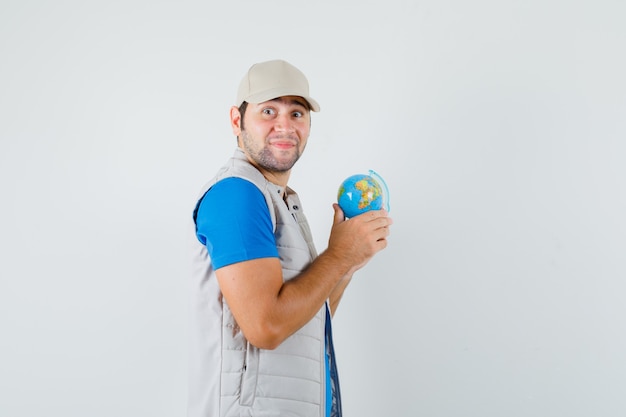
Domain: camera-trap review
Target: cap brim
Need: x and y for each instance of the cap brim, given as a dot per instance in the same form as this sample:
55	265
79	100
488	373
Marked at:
279	92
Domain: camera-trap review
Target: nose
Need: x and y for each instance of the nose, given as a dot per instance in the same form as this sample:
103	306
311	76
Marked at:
283	123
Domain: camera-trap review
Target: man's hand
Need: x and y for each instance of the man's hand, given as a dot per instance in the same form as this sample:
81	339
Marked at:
355	241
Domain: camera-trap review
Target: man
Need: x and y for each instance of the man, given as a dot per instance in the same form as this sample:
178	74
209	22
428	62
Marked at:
263	298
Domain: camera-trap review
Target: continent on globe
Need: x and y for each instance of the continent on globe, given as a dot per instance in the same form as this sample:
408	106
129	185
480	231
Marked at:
361	193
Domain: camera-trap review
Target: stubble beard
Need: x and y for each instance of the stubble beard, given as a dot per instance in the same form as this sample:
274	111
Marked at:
264	157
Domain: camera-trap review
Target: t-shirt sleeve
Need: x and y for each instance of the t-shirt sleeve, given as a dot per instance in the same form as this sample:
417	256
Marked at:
233	222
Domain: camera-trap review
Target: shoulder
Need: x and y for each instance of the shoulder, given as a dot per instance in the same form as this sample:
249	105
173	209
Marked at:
234	191
233	197
234	185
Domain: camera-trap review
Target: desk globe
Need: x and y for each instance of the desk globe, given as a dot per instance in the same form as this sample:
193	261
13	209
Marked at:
361	193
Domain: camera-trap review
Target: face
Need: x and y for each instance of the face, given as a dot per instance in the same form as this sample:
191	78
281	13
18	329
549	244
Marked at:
275	134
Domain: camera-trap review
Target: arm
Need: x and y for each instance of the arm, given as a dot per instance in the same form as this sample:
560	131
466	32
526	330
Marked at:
268	310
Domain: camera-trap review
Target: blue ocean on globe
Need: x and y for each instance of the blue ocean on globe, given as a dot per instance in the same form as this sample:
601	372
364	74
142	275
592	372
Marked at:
361	193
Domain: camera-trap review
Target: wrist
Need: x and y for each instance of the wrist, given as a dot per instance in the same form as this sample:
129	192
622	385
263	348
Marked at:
337	263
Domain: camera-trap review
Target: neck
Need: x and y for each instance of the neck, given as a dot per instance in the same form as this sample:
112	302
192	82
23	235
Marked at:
278	178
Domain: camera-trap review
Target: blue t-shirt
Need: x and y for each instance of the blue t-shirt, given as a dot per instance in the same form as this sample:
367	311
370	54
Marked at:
234	223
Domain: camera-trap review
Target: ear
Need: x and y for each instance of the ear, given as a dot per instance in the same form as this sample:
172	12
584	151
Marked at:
235	120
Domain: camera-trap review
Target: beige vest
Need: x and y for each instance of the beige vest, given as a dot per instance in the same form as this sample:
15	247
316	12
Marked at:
229	376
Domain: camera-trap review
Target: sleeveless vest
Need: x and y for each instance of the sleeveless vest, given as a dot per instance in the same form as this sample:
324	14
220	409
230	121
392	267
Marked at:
228	375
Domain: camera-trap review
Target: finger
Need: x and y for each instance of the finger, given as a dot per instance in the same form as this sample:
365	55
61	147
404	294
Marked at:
380	233
376	214
380	222
381	244
339	216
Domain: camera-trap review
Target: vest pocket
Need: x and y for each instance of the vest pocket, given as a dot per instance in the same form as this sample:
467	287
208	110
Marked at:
250	376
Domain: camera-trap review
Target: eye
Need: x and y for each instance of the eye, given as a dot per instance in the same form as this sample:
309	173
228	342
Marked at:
297	114
268	111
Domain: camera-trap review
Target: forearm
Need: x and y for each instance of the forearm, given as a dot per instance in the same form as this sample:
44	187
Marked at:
302	297
269	310
351	246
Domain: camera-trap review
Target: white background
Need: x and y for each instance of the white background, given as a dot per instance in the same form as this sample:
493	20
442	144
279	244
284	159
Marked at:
499	126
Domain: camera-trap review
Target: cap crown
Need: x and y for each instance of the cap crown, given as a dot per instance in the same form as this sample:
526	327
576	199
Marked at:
272	79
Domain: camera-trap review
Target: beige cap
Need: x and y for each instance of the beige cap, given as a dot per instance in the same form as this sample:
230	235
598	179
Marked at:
272	79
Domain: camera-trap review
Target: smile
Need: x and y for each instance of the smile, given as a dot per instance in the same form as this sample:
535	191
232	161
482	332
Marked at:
283	144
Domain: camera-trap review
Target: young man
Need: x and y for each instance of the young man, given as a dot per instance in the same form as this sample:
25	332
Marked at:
263	298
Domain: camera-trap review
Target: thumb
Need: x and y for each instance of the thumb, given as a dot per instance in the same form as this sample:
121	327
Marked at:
339	216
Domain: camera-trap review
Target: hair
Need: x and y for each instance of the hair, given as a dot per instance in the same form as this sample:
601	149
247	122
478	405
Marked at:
242	112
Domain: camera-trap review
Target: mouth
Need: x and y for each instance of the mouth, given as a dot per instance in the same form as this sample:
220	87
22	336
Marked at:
283	143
